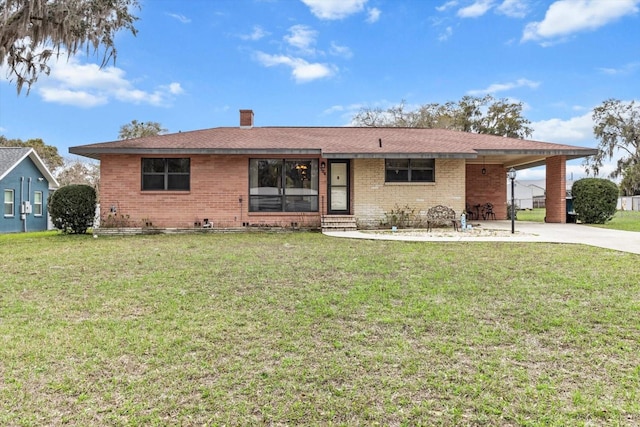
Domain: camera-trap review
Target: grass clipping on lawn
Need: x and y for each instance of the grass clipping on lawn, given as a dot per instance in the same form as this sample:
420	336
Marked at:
303	329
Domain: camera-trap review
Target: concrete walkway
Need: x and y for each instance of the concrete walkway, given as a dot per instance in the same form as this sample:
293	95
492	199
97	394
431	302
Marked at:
500	231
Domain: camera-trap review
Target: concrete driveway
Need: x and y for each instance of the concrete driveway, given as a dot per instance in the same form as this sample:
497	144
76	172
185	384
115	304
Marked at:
500	231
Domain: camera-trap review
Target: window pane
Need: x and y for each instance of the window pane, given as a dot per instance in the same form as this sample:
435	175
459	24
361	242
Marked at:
8	202
153	182
265	185
397	175
37	203
298	174
153	165
422	175
398	164
178	182
301	203
265	204
422	163
270	173
178	165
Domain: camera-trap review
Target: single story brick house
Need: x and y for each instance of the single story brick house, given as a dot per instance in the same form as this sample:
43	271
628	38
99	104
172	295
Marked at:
230	177
25	184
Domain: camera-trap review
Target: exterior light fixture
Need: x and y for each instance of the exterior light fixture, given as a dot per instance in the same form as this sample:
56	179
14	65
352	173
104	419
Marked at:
484	169
323	167
512	176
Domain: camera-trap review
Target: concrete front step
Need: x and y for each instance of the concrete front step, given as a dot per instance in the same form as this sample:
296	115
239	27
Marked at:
339	223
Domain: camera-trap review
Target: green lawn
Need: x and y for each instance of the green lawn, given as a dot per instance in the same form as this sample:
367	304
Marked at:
303	329
536	215
623	220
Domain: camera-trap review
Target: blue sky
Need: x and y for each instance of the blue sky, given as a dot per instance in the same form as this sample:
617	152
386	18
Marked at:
195	63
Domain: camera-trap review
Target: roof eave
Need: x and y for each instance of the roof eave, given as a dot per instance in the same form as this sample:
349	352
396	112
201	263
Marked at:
399	155
573	153
95	153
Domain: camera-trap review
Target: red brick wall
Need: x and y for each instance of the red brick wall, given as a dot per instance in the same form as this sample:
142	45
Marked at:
217	185
556	189
488	188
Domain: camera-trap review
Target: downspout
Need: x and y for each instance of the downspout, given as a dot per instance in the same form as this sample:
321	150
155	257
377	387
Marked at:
26	214
23	216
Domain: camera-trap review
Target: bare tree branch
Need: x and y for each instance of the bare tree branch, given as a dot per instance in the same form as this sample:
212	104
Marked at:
34	31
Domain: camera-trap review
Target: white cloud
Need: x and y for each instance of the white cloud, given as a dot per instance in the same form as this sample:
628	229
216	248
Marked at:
180	18
302	38
514	8
346	112
447	5
446	34
577	129
257	33
624	70
565	17
88	85
501	87
373	15
78	98
475	10
301	70
174	88
342	51
334	9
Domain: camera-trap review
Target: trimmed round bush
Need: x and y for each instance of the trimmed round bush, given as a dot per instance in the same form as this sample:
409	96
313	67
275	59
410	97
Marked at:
594	200
73	208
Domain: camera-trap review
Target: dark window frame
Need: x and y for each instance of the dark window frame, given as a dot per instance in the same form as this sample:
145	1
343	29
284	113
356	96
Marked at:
395	173
166	174
285	200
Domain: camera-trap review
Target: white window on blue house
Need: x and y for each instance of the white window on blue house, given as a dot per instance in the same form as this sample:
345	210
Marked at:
37	203
9	203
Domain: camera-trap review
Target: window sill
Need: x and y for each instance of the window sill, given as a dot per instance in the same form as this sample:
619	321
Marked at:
410	183
157	192
283	213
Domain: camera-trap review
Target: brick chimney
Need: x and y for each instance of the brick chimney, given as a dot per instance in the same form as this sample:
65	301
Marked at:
246	119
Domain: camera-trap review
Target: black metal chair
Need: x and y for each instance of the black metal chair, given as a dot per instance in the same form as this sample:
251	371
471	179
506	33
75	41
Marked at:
487	211
470	213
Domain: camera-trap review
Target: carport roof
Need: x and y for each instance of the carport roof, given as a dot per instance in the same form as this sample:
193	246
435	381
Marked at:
339	142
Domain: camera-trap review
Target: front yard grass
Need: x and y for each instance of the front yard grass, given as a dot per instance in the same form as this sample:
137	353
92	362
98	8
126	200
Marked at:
303	329
623	220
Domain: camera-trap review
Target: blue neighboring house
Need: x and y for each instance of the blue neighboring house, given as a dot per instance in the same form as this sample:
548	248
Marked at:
25	184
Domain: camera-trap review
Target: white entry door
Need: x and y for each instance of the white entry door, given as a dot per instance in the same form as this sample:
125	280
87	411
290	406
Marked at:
338	186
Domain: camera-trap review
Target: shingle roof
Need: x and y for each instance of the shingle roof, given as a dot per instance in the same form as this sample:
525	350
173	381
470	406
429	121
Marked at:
332	142
9	157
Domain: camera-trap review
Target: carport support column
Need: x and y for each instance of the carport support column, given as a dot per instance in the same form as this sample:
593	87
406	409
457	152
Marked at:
556	191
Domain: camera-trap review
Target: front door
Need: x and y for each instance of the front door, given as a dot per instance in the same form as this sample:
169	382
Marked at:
338	190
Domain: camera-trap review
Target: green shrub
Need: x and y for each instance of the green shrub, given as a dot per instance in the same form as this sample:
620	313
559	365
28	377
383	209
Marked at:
401	217
73	208
594	200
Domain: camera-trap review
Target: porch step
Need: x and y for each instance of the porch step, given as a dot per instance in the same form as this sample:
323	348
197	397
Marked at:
339	223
